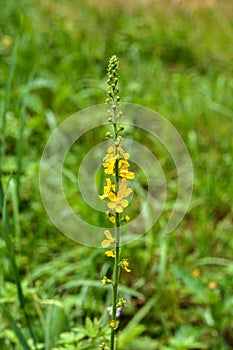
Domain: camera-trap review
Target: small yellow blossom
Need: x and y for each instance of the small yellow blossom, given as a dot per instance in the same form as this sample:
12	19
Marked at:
196	273
110	254
212	285
110	240
111	150
6	41
113	324
125	265
109	167
123	170
126	218
123	153
111	216
126	174
105	281
111	155
112	219
107	189
118	203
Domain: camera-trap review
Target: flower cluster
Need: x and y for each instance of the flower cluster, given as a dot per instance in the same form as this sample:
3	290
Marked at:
116	166
117	157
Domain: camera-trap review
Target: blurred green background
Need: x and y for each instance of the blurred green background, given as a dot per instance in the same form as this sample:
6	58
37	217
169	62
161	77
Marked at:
176	57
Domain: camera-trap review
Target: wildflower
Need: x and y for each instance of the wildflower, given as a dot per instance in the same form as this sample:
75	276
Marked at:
111	217
123	170
6	41
124	264
196	273
110	254
109	167
212	285
118	201
105	280
123	154
110	240
113	324
111	154
107	189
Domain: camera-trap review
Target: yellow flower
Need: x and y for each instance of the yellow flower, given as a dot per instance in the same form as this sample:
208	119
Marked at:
123	153
111	155
110	254
104	281
212	285
111	216
123	170
112	219
126	174
109	167
118	203
110	160
107	189
109	240
113	324
196	273
125	265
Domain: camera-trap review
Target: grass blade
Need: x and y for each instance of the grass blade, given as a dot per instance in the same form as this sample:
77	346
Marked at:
16	329
6	231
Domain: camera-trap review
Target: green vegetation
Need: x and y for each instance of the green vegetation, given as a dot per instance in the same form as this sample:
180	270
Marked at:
176	58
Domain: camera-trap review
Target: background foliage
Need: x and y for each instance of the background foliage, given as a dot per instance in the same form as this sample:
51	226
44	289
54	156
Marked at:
176	58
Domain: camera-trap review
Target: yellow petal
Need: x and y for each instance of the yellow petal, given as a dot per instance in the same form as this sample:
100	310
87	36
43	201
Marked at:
108	180
126	269
108	234
119	209
111	149
130	175
105	243
128	191
112	219
103	196
110	254
112	197
112	205
127	218
124	203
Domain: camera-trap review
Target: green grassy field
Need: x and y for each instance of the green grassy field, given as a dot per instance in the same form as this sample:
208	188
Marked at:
176	58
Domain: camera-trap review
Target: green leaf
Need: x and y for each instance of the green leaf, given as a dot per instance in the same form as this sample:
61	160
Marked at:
54	322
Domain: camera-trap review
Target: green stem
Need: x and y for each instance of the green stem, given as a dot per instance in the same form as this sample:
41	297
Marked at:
116	272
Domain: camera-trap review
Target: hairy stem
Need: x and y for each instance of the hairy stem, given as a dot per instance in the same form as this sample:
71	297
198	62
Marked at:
116	272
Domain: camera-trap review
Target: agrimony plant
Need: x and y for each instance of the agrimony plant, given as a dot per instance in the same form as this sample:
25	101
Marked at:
117	190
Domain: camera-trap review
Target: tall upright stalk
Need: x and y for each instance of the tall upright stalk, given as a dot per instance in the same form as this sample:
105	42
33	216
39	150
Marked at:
116	167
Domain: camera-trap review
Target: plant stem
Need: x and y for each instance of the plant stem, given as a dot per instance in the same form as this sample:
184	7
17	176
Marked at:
116	272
